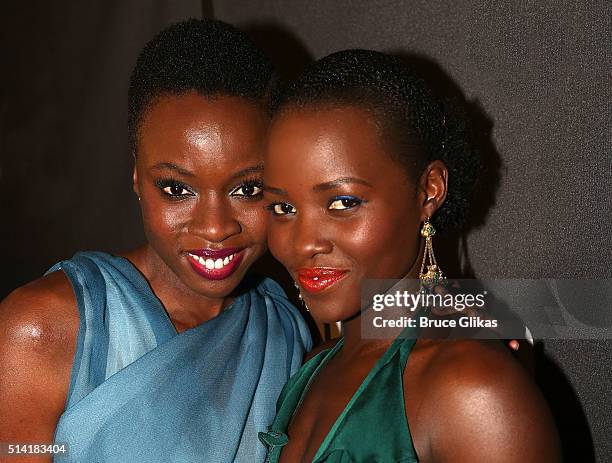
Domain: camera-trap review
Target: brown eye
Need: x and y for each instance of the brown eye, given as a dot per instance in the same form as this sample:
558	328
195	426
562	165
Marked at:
174	189
282	208
249	189
341	203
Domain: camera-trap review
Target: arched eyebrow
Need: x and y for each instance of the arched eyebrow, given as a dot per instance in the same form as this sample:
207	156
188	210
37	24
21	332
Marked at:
321	186
339	181
258	168
174	167
274	190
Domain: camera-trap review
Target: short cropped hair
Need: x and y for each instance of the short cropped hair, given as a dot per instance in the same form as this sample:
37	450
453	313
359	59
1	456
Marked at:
417	126
208	56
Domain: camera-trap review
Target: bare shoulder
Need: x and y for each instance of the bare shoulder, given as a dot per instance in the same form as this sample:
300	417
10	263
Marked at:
467	361
40	314
38	329
483	391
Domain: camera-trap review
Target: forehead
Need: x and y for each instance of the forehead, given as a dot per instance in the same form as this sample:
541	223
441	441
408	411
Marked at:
191	128
330	140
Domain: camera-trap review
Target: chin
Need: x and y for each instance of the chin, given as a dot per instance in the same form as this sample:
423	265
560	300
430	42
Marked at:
217	289
330	313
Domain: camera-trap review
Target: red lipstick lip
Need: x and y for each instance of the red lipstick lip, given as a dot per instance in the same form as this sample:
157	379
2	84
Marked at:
215	273
318	279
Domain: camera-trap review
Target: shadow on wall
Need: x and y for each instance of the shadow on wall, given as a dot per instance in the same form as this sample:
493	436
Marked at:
290	56
286	51
572	423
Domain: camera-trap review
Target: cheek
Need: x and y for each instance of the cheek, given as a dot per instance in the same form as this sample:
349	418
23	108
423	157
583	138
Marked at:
252	219
382	243
279	241
161	218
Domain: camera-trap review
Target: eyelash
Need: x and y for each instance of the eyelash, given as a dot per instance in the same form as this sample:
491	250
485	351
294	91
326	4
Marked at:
272	208
352	200
169	183
253	182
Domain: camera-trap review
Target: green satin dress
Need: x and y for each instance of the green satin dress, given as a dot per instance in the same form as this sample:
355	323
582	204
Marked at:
373	426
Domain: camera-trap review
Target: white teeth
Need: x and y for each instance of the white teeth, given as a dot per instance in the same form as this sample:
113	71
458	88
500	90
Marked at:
211	264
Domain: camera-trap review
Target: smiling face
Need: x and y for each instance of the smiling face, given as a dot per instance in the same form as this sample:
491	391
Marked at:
198	174
342	209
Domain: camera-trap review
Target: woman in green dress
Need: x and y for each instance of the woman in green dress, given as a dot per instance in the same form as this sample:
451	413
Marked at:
362	158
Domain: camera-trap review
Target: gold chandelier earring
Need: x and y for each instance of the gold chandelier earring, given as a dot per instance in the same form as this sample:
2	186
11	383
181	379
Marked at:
434	273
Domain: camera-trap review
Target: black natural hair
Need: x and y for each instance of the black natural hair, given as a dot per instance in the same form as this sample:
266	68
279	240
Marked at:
207	56
416	125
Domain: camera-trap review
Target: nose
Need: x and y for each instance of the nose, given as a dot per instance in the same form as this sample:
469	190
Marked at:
309	238
213	220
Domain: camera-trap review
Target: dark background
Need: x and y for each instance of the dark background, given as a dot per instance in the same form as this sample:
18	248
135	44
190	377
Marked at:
536	76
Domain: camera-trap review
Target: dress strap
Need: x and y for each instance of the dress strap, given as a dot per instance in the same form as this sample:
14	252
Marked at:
408	338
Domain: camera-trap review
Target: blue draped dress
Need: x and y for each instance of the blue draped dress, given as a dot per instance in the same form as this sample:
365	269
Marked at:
141	392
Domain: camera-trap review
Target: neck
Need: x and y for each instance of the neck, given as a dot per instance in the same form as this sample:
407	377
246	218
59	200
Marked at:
354	342
185	308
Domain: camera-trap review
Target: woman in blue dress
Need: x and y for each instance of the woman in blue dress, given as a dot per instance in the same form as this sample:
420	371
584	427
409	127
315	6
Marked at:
170	352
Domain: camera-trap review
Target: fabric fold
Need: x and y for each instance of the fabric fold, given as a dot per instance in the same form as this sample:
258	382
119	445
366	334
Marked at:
201	395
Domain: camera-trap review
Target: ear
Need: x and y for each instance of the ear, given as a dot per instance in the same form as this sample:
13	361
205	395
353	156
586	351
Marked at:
135	182
433	186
